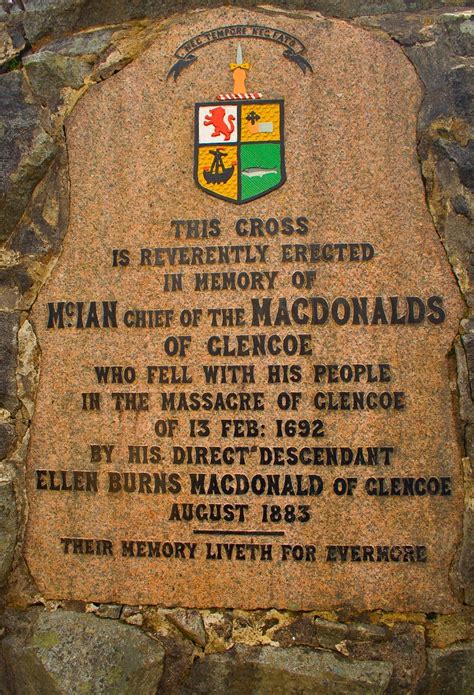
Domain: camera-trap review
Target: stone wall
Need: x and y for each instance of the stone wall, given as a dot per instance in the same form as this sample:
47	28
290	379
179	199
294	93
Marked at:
51	52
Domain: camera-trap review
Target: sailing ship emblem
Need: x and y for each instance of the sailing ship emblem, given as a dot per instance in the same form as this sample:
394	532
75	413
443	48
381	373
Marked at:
239	153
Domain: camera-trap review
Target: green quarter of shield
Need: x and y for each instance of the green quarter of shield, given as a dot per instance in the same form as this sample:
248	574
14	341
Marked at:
261	169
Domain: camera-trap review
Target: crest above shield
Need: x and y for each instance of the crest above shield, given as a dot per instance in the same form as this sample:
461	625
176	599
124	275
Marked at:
238	144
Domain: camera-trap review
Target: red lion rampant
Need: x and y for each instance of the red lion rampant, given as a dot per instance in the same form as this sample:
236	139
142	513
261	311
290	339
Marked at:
216	118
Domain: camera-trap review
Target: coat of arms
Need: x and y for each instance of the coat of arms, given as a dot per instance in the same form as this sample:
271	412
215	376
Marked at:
239	153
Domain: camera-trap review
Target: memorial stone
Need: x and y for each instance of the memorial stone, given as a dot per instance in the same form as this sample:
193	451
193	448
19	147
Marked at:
244	397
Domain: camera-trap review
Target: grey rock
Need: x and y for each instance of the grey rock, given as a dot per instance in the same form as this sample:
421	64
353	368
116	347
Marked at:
464	159
49	73
25	241
466	558
56	18
300	633
459	32
4	690
26	149
135	619
190	623
132	615
365	632
433	65
16	277
109	610
327	634
453	29
468	342
178	663
449	671
8	527
443	65
66	653
403	648
89	43
442	185
219	627
8	360
10	6
51	17
7	436
17	37
469	442
112	62
461	207
470	265
406	29
465	565
330	633
12	43
466	404
461	81
443	129
273	671
44	223
457	232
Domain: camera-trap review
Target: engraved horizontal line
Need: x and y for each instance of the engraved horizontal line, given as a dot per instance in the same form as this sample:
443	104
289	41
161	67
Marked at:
205	532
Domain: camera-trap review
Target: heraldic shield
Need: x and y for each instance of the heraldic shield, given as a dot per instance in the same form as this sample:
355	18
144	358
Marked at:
239	149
